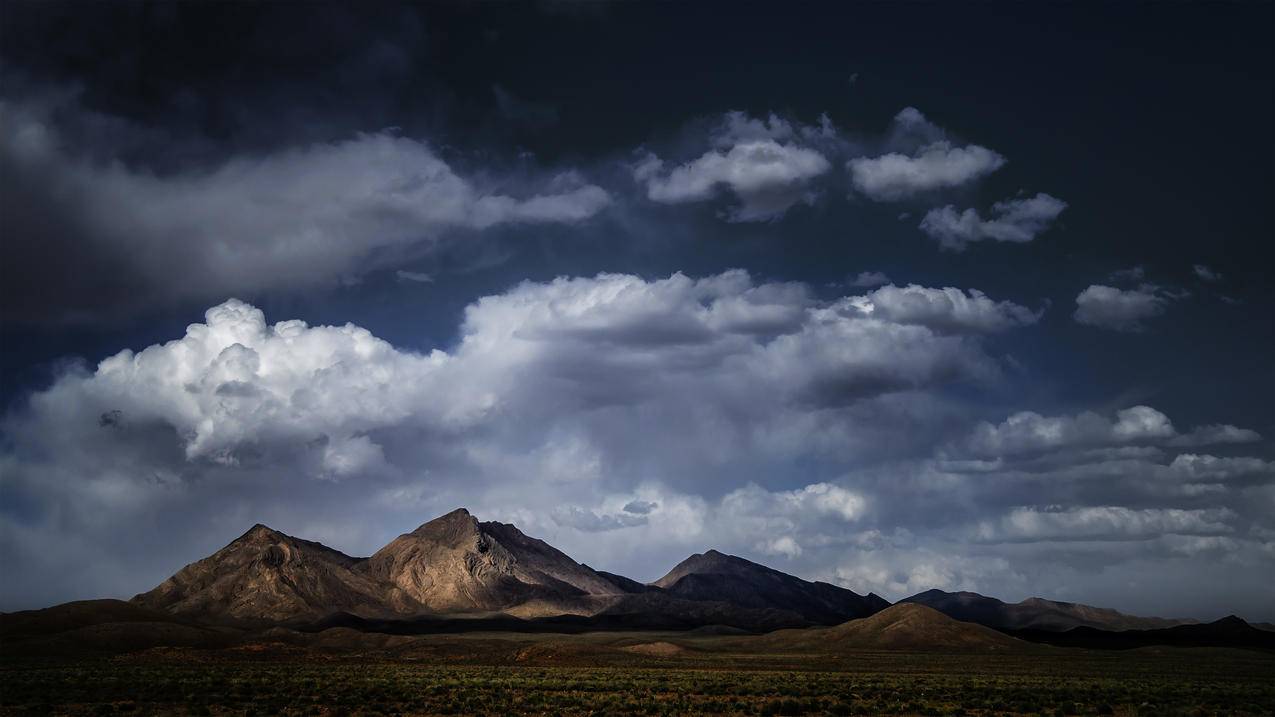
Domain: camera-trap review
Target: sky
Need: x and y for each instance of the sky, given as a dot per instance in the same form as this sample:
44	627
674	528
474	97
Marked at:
898	297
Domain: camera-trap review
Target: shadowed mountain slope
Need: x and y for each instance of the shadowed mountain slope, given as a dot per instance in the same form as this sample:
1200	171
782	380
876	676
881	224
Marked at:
1033	613
714	576
1230	631
76	615
86	627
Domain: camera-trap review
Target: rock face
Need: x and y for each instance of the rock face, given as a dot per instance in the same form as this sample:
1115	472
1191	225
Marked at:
266	575
1034	613
456	564
727	578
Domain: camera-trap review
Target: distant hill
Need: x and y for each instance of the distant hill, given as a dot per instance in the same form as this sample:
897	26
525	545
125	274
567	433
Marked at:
102	627
1033	613
904	626
75	615
715	576
1230	631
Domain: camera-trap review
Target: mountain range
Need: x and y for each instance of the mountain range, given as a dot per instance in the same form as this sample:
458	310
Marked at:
1034	613
456	565
456	573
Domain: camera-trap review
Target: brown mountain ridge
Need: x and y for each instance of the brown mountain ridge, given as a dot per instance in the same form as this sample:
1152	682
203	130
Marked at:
452	564
456	565
1034	613
905	626
456	572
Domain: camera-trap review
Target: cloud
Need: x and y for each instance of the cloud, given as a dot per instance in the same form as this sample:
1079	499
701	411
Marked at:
640	507
1014	220
784	545
946	310
1215	434
1029	432
1197	467
869	279
288	219
1106	307
414	276
766	166
1094	459
818	499
907	569
1106	523
571	516
1206	274
894	176
1133	274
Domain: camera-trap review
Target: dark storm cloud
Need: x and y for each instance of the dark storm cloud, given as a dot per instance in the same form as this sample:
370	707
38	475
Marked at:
289	219
206	81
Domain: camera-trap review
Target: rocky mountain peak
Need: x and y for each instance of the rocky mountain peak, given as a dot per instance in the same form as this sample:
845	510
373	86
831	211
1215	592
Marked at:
456	529
260	533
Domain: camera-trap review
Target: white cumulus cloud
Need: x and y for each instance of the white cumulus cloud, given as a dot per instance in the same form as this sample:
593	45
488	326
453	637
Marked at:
940	165
766	167
947	309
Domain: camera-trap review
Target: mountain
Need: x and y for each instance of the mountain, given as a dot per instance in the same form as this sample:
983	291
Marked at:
456	567
714	576
1033	613
628	585
452	564
267	575
76	615
905	626
456	564
1230	631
